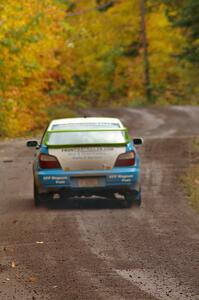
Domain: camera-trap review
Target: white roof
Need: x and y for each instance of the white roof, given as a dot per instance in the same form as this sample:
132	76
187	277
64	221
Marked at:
86	120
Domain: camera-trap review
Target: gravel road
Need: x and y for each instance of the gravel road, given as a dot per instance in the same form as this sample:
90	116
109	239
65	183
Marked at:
93	248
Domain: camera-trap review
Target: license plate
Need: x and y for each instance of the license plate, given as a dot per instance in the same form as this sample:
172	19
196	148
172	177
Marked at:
88	182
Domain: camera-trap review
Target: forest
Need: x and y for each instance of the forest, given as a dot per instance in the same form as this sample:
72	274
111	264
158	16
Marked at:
66	55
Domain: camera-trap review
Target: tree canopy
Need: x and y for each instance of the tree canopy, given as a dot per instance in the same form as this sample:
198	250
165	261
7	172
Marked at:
188	20
90	53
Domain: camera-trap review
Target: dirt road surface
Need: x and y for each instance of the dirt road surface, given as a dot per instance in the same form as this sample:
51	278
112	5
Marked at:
94	248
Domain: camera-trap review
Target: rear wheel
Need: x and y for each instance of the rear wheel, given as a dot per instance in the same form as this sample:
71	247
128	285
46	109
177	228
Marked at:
133	198
37	196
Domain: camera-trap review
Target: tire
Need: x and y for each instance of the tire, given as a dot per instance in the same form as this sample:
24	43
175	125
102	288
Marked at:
133	198
37	196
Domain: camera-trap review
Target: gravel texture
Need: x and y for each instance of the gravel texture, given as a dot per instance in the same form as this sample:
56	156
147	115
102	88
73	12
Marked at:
94	248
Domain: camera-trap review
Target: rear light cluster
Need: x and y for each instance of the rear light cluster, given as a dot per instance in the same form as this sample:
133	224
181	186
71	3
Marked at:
125	159
48	162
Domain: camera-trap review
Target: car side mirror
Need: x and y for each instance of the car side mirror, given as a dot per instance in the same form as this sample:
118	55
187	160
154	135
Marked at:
138	141
32	144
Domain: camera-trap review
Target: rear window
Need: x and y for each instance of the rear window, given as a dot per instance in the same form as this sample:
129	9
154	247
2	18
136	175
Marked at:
85	138
79	126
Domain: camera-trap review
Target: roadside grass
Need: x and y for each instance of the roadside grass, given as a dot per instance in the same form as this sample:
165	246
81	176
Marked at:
191	179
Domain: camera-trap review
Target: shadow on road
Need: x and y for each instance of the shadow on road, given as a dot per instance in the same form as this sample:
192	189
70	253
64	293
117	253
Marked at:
84	203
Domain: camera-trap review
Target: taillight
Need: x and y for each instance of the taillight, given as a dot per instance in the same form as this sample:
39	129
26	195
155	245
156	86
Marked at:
48	162
125	159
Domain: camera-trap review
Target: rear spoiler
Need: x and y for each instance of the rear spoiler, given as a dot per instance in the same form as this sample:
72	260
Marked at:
49	132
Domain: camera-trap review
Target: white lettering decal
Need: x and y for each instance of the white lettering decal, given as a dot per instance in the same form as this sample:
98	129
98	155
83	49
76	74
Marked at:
121	177
63	178
60	182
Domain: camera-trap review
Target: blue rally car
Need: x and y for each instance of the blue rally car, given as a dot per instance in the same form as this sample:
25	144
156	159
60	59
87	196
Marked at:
87	156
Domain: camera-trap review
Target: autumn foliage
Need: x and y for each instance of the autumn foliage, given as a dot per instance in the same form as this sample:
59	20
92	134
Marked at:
89	53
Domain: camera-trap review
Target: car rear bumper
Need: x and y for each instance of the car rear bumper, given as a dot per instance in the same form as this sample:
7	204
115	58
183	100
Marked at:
88	182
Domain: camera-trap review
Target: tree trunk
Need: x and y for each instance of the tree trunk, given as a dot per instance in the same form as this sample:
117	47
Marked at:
147	80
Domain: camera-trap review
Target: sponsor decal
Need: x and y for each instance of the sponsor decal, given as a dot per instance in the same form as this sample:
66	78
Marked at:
122	178
90	153
60	181
87	149
55	178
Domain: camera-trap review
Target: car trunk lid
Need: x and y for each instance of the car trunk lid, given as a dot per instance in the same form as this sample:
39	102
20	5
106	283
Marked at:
87	157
